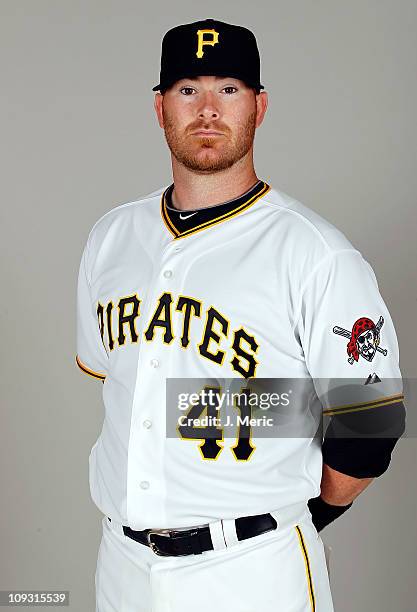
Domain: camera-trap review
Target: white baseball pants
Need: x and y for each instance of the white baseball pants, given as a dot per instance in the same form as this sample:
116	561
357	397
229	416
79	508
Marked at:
280	571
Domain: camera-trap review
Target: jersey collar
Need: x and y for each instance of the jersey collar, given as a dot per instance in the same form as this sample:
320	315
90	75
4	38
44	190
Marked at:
181	223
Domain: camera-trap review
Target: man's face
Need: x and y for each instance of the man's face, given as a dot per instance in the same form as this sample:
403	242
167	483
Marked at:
209	121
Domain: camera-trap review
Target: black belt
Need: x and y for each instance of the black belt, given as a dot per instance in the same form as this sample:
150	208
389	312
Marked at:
177	543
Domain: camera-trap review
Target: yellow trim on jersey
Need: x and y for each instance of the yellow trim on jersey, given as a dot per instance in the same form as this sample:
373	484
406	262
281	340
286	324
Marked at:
88	371
307	566
382	401
171	227
173	230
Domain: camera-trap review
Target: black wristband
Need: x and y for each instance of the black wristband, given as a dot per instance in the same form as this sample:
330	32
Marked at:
323	513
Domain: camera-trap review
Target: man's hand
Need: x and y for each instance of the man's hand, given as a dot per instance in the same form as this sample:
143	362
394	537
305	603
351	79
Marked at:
338	492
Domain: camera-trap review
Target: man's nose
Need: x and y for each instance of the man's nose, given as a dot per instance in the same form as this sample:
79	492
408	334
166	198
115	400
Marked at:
208	108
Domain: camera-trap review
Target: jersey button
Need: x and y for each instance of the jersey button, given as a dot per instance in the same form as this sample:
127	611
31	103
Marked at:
154	363
144	484
147	424
168	273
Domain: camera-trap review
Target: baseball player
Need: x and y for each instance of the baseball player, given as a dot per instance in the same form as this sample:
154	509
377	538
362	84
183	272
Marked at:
216	276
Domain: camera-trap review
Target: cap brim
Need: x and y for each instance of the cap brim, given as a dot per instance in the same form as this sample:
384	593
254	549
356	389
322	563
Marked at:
158	87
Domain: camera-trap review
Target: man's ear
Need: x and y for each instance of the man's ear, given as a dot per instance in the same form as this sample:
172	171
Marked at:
158	108
261	106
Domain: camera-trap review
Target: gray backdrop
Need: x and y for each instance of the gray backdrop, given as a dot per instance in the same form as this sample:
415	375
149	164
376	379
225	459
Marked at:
79	136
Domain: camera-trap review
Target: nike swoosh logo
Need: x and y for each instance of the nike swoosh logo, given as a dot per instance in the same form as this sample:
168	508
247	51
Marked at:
188	216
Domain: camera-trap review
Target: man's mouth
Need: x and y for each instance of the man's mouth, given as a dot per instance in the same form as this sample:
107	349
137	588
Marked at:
207	133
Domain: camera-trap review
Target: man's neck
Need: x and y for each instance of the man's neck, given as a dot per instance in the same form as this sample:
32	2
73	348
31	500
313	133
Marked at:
193	190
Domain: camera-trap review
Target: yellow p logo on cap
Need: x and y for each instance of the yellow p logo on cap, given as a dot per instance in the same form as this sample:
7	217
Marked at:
202	41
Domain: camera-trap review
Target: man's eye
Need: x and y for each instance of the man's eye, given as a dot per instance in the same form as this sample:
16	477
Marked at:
230	87
186	89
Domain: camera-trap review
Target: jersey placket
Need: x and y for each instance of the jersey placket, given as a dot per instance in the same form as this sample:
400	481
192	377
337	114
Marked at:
145	474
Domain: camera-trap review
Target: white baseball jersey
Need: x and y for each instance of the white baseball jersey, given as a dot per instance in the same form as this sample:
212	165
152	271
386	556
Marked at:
260	286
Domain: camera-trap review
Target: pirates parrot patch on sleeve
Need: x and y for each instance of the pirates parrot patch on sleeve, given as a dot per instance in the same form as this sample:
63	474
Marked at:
364	339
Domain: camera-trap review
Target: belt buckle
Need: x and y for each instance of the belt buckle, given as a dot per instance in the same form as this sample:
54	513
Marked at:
162	532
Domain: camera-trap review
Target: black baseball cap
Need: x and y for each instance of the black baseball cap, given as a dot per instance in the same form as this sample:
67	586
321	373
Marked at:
209	47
